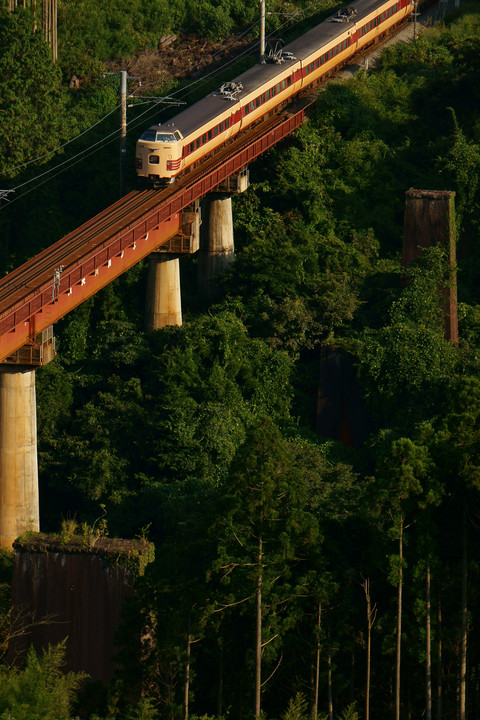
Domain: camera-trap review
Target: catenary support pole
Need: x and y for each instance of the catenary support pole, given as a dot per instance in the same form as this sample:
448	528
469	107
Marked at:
262	31
123	129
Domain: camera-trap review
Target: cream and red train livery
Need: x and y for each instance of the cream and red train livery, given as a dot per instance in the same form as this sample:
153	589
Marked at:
166	150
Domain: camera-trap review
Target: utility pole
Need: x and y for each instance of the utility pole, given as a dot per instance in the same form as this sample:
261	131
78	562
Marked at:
123	129
124	76
262	31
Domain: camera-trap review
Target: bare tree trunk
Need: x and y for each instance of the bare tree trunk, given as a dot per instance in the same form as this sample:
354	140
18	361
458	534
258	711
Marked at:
187	675
220	681
54	38
317	663
439	660
399	620
258	645
463	640
330	690
371	614
428	649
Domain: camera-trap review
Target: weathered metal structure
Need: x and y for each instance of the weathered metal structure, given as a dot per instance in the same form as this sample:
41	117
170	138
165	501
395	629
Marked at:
430	220
74	589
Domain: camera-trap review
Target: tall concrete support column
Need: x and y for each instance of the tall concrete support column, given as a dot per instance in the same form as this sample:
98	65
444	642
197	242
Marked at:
163	303
217	250
430	220
19	504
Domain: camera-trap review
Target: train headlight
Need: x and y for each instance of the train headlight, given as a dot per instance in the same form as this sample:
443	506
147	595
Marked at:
138	163
153	159
173	165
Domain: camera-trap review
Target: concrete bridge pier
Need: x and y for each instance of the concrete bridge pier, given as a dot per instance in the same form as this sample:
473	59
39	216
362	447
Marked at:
163	301
19	504
163	304
217	246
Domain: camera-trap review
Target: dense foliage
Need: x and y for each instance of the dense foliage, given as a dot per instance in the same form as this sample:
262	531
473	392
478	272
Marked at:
281	554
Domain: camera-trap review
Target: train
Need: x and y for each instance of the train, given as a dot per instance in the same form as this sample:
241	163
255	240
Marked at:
168	150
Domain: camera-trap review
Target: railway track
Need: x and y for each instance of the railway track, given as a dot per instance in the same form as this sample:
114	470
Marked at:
126	212
37	273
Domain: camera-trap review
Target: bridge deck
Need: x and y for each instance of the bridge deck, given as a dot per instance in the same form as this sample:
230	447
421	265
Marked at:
38	293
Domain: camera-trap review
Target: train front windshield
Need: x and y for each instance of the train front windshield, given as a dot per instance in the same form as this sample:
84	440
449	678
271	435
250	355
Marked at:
152	136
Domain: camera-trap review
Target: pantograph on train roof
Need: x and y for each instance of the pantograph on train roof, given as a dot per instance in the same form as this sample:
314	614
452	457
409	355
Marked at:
345	14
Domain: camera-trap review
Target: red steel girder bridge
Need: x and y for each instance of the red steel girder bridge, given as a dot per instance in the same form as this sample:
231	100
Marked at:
45	288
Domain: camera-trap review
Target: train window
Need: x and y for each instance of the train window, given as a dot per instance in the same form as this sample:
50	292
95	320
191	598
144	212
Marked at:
227	123
246	109
210	134
273	91
166	137
252	105
204	138
263	97
198	142
221	127
317	63
215	131
279	87
289	80
330	54
257	102
148	135
284	84
383	16
153	159
192	146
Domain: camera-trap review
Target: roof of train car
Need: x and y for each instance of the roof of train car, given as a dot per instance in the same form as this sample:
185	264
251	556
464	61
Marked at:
328	30
208	108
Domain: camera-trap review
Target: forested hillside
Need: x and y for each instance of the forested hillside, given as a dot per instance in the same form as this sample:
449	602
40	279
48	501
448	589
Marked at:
203	437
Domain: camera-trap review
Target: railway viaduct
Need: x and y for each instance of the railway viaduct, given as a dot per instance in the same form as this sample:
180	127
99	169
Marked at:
160	224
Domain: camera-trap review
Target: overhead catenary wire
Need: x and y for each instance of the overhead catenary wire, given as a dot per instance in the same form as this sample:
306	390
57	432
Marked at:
108	139
91	127
68	142
83	155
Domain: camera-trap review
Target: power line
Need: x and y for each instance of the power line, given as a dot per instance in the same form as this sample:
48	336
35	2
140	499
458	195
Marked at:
79	157
68	142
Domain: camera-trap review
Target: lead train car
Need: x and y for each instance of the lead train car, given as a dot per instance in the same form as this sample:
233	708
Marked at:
167	150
